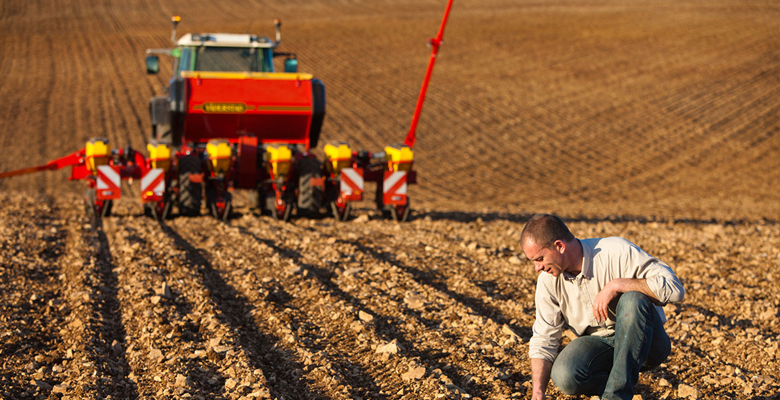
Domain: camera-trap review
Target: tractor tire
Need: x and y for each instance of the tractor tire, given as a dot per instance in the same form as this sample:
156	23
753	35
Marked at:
309	196
190	193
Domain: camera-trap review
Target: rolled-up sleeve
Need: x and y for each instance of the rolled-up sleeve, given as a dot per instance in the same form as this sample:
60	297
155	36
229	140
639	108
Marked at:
662	281
548	326
659	277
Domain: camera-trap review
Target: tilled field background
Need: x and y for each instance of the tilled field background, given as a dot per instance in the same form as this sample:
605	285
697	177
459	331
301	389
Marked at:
658	121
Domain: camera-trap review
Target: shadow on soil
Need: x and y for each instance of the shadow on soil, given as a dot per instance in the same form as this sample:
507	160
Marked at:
465	216
176	307
438	283
283	373
459	216
109	329
324	278
386	327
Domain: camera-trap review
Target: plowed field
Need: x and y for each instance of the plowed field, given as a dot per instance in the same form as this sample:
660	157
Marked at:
654	120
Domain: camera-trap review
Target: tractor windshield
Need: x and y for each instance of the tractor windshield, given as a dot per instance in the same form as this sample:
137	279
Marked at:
226	59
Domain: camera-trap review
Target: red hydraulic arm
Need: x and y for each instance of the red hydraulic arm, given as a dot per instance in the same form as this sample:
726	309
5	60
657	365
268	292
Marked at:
435	43
67	161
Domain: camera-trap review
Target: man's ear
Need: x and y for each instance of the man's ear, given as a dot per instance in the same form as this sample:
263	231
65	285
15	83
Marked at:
559	246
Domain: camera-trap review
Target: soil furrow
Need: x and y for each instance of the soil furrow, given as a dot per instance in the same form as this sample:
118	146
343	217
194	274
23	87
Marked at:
277	301
97	364
259	349
455	331
350	345
172	358
326	326
31	353
345	286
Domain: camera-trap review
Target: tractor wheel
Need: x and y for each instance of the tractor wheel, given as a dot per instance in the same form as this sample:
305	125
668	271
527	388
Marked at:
190	193
309	196
340	214
278	212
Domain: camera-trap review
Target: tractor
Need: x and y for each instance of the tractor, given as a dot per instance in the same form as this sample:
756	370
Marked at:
230	121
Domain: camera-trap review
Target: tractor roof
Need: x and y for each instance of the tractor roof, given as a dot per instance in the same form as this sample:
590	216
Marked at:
224	39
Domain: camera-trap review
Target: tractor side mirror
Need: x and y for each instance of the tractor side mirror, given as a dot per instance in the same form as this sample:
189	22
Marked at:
291	65
152	64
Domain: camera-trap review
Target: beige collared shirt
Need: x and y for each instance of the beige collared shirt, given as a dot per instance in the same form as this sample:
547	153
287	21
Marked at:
567	300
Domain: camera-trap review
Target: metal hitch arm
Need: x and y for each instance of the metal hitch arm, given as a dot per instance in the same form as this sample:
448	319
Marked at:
435	44
76	158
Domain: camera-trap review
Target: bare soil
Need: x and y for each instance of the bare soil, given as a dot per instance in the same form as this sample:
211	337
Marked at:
657	121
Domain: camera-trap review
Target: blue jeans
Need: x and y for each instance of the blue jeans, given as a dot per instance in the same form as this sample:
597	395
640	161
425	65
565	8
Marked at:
609	366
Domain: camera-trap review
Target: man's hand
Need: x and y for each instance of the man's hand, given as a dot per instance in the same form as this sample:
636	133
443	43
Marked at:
615	287
537	396
601	303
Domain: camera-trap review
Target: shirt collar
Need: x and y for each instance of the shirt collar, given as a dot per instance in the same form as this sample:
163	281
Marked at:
587	261
586	264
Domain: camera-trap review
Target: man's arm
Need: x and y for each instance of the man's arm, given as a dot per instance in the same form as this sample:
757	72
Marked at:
547	330
540	377
615	287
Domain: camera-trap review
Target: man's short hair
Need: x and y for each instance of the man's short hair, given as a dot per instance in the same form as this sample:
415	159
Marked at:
545	229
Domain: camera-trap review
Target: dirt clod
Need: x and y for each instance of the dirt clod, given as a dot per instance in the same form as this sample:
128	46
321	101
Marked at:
687	392
414	373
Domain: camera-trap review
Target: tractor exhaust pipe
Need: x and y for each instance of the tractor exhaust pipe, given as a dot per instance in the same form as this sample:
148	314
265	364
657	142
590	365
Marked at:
175	20
278	25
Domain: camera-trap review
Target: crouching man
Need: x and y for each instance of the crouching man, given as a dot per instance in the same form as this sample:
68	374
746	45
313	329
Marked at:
609	291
